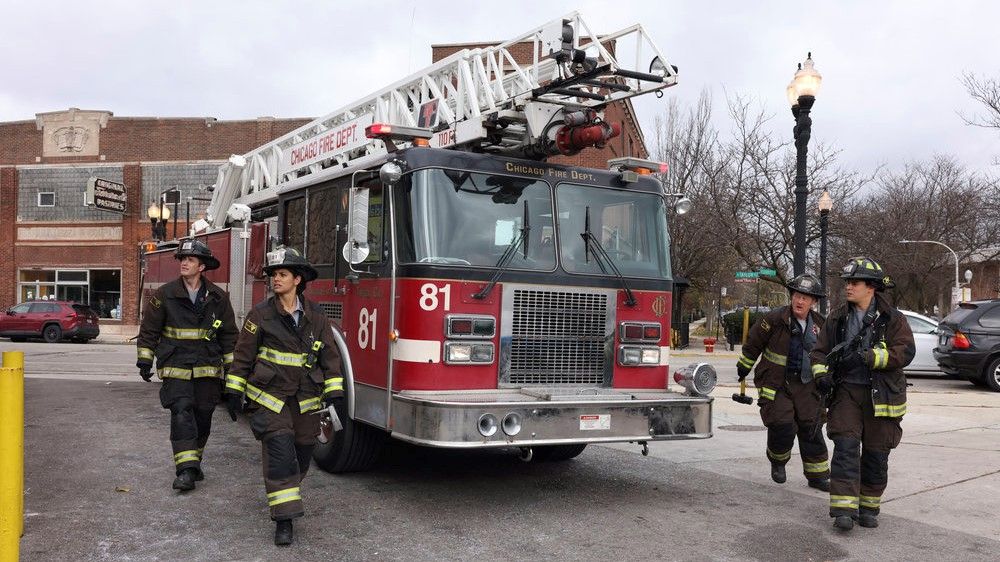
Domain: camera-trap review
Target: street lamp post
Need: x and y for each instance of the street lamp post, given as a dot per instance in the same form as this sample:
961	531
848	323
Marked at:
956	292
801	94
158	216
825	205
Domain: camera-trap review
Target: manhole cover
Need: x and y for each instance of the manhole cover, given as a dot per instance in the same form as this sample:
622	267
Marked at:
743	427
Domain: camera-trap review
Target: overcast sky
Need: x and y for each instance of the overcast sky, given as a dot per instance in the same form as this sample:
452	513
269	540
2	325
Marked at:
891	70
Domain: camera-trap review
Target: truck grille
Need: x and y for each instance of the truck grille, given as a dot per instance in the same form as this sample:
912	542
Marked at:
559	338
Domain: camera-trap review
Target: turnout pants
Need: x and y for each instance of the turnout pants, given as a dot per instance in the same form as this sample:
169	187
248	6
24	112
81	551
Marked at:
287	440
794	410
191	404
861	445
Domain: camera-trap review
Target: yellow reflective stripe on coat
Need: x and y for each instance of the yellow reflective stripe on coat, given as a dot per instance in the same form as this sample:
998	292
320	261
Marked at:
227	358
779	456
282	496
776	358
332	384
187	456
871	502
819	369
205	371
767	393
845	502
890	410
746	361
239	384
145	353
184	333
308	405
264	399
816	467
280	357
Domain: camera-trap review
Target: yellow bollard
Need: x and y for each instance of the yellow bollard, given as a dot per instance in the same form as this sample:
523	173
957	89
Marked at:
11	454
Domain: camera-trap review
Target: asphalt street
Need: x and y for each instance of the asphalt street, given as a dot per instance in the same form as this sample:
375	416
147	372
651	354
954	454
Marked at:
98	473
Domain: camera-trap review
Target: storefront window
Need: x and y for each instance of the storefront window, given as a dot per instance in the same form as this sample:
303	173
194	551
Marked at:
99	288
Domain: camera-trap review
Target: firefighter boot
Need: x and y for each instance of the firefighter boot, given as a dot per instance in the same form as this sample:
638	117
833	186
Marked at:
844	522
283	532
185	480
869	520
820	484
778	472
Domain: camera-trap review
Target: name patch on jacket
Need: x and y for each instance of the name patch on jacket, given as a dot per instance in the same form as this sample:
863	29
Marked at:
250	327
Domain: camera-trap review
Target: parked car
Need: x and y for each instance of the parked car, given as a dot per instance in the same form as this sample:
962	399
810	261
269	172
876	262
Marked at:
50	320
925	336
969	343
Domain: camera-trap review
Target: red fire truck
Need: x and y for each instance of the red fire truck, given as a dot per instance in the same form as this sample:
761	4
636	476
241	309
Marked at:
479	296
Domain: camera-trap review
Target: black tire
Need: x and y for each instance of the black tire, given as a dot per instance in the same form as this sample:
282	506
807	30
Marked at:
557	453
52	333
352	449
991	377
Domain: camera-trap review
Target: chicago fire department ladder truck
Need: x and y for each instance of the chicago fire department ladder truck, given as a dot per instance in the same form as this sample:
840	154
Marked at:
480	297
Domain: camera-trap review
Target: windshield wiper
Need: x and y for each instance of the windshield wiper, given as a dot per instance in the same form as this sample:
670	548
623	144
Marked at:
601	254
508	254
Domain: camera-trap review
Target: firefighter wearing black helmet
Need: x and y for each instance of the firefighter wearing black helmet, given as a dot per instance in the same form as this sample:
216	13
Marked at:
787	396
860	357
189	327
287	366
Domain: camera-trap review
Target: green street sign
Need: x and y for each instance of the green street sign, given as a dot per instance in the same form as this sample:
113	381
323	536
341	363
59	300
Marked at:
767	271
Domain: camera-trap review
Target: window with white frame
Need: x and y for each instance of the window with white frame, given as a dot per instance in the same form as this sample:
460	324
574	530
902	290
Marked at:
46	199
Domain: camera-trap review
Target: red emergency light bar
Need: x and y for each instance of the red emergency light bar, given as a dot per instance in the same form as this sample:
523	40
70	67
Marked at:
396	132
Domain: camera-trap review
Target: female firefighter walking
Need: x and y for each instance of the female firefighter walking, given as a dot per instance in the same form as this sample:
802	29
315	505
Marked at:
789	402
286	364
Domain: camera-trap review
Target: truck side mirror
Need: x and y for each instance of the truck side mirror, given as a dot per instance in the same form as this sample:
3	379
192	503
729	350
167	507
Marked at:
356	248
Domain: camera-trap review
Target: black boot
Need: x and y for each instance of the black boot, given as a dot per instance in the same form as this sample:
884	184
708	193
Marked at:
185	480
868	520
844	522
778	473
820	484
283	532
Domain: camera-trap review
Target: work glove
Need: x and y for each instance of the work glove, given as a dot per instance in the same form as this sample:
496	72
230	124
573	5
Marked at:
145	370
824	384
234	404
742	372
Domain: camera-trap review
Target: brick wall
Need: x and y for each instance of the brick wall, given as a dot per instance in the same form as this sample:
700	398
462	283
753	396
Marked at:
8	230
68	185
191	179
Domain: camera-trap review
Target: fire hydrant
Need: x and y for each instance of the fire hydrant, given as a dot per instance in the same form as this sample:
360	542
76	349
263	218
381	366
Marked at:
709	345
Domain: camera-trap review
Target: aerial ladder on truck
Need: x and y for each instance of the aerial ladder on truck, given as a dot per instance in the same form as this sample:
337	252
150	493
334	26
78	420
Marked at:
501	111
483	99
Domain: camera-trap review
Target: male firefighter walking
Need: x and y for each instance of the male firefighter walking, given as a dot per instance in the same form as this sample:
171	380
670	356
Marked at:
861	352
789	402
287	365
189	326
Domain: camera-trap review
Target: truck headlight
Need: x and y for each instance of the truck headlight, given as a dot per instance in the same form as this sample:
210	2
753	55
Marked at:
635	355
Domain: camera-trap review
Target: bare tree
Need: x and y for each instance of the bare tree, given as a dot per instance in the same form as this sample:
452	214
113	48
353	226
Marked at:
986	91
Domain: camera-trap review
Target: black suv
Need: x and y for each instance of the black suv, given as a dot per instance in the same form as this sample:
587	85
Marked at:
969	343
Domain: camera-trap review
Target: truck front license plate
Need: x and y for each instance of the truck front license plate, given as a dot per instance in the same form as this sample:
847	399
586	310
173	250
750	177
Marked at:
595	422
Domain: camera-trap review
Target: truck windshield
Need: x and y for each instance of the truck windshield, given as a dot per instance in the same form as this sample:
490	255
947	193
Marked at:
454	217
630	225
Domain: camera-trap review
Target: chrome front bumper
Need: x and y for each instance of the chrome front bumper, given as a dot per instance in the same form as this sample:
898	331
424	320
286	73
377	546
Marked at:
549	417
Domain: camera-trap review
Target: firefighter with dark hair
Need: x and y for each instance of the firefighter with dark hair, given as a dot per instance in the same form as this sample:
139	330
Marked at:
288	368
188	325
787	396
860	357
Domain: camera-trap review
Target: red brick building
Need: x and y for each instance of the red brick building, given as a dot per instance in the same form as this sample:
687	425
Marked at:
54	246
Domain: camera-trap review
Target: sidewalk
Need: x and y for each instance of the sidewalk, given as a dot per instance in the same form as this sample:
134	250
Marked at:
119	334
697	349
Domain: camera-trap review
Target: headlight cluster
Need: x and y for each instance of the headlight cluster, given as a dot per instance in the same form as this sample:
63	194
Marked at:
468	328
631	355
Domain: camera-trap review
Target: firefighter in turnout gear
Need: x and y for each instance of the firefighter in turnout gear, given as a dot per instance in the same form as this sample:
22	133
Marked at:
787	396
188	325
288	367
860	355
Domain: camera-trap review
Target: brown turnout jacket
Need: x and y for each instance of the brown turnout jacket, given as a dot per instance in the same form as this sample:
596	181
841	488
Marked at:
276	361
769	340
892	349
188	340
